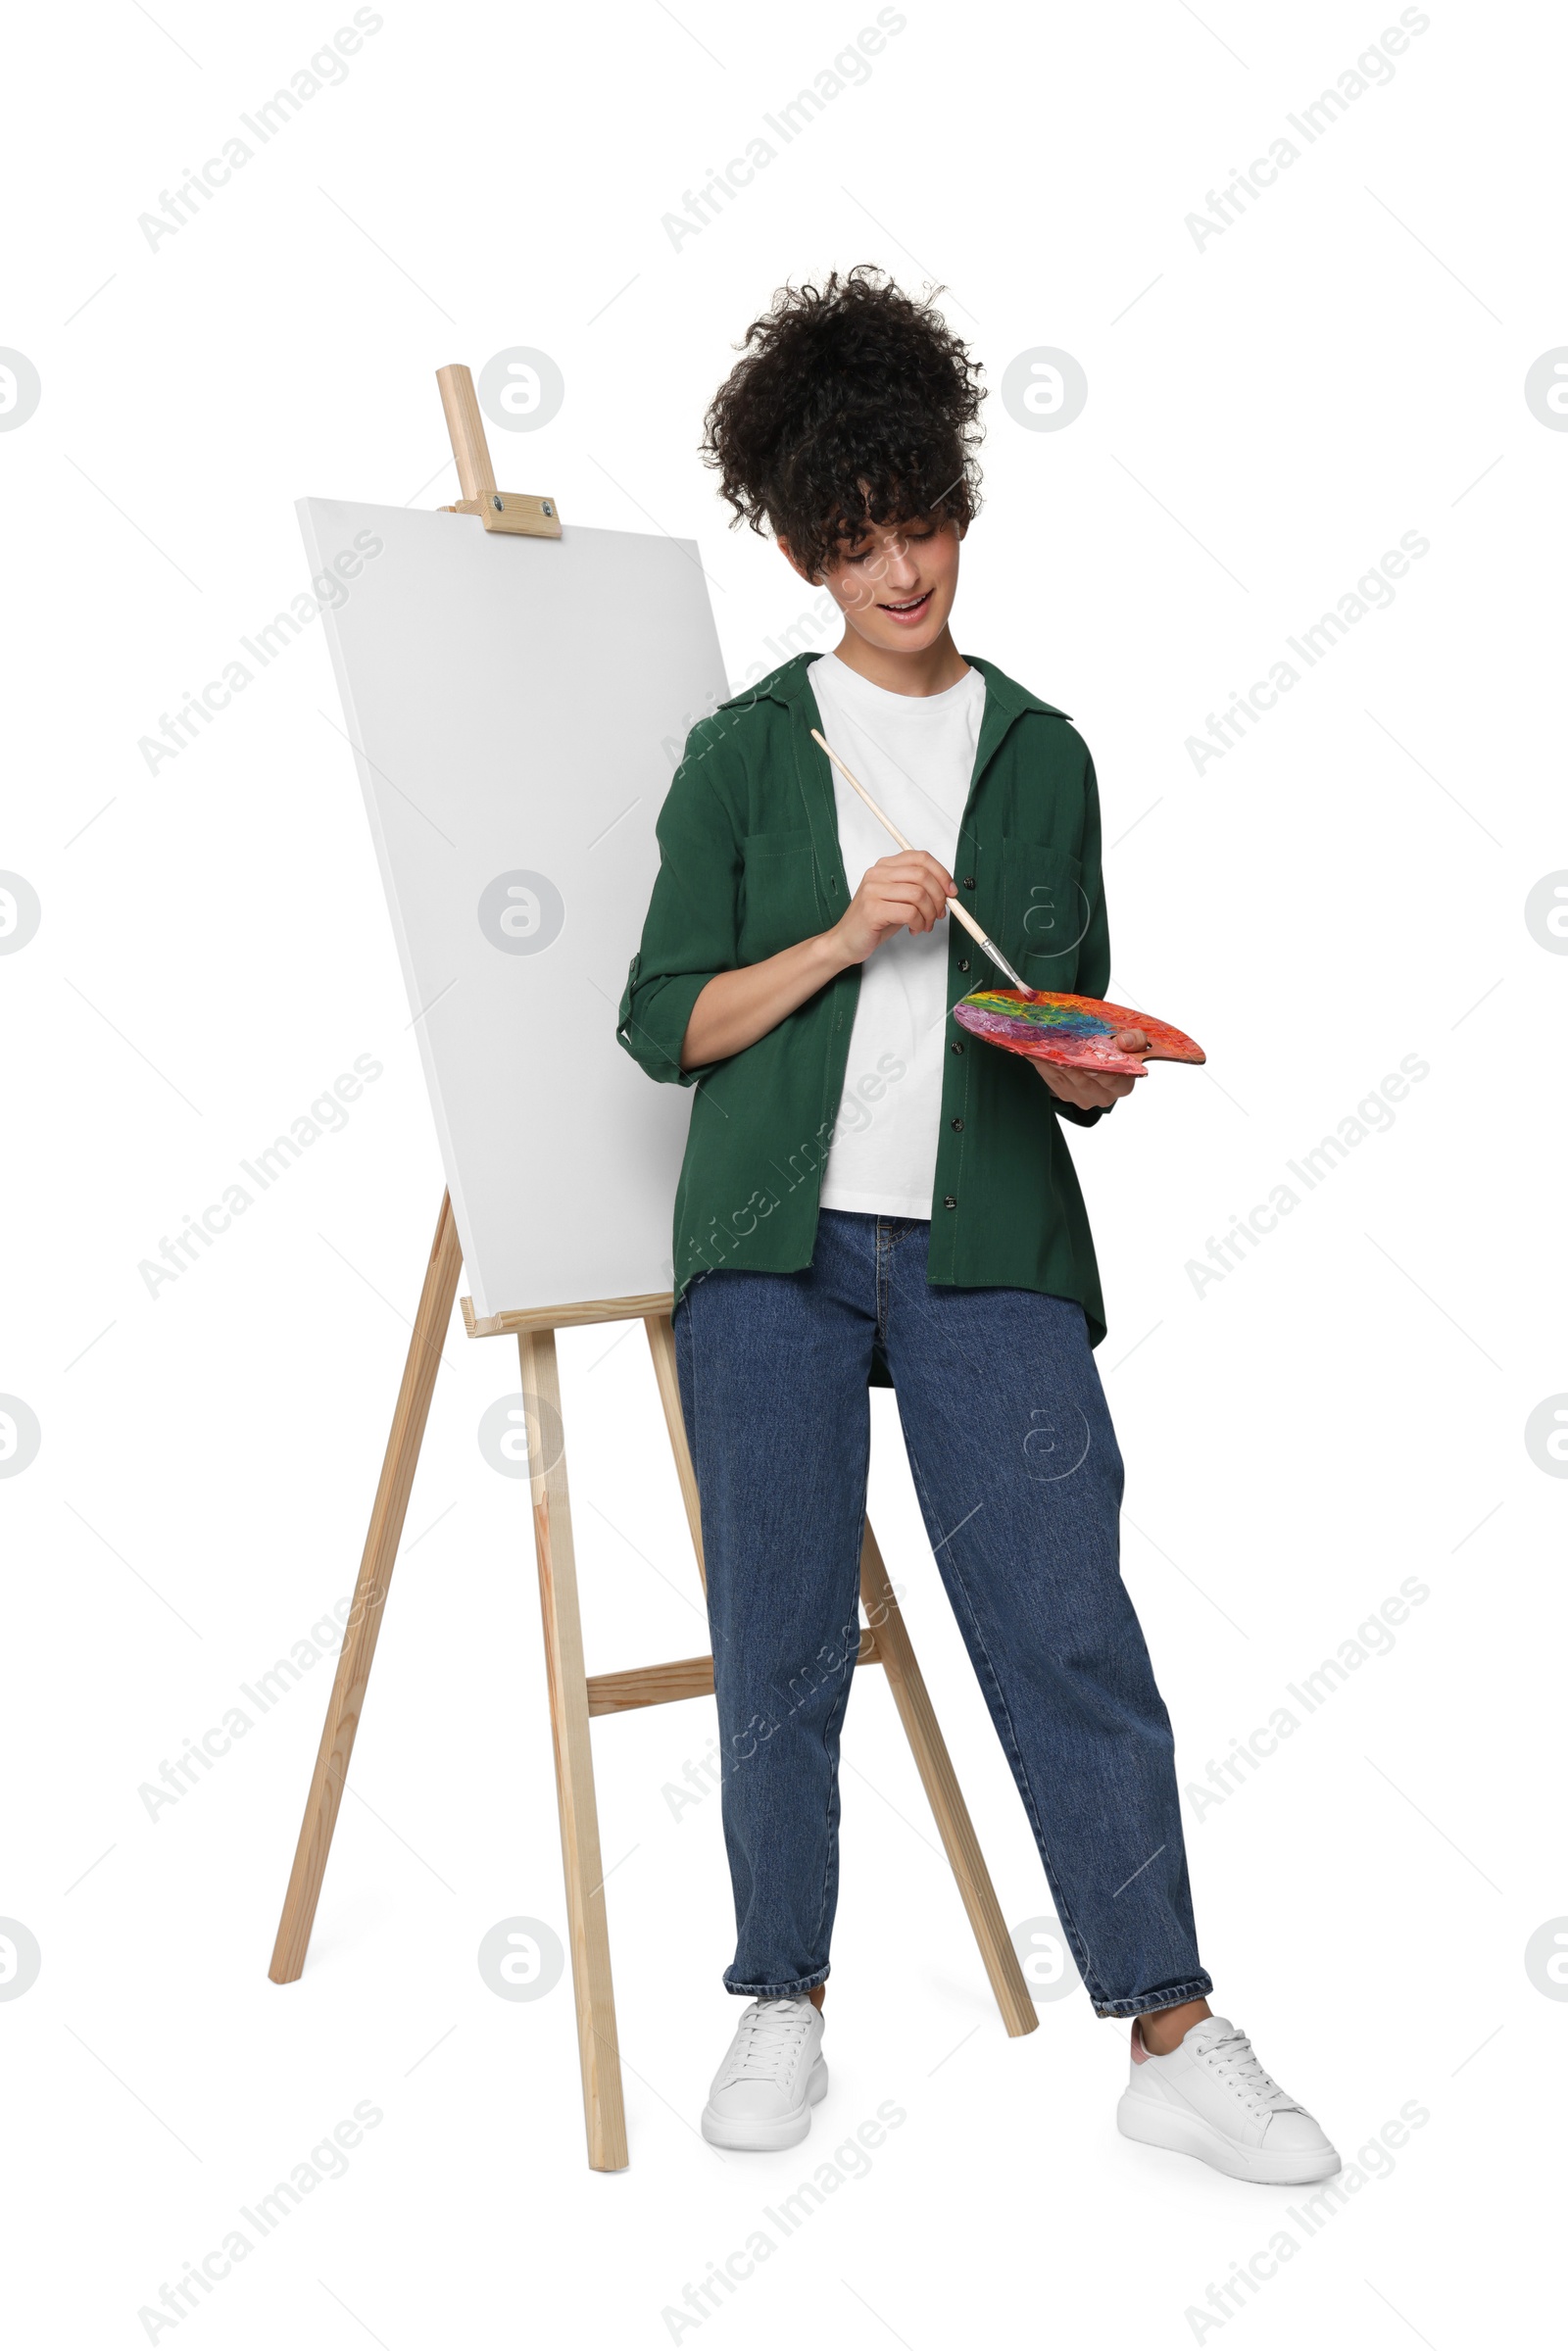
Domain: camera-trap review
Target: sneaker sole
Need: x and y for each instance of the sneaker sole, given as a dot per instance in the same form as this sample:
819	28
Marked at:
765	2134
1184	2133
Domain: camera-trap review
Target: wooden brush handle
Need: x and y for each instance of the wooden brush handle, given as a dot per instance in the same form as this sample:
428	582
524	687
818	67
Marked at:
881	814
953	908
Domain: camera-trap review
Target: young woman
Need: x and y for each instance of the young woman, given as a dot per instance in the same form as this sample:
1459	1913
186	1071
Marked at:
870	1197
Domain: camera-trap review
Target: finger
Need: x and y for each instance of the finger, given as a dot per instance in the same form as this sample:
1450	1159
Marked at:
901	914
914	902
1068	1085
1132	1041
1090	1092
919	862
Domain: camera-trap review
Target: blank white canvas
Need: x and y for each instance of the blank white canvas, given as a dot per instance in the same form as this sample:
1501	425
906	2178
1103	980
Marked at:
510	702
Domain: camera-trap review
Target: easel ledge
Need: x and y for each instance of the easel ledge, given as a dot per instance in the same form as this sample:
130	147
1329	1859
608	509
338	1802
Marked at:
562	1318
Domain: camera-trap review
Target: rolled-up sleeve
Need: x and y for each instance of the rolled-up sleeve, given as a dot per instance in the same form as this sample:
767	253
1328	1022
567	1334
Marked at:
691	931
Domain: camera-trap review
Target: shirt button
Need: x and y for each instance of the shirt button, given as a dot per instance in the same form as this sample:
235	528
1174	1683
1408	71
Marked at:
957	1126
956	1047
968	881
963	962
950	1201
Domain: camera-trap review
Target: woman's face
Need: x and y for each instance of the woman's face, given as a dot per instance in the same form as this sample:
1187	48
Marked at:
895	584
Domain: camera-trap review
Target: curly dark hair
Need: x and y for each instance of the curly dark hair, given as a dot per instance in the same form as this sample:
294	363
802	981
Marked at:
853	403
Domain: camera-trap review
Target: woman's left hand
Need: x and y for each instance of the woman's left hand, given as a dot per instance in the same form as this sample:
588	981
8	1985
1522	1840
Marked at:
1092	1089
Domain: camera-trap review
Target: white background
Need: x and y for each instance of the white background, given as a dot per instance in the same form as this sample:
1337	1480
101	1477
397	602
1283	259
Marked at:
1343	1410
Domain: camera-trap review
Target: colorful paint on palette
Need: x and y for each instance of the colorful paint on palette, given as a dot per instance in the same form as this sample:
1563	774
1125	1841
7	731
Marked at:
1074	1031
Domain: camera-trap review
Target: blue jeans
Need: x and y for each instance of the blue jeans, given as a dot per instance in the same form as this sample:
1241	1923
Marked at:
1020	1480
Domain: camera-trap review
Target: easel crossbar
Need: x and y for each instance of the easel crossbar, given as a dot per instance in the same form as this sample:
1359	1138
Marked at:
680	1677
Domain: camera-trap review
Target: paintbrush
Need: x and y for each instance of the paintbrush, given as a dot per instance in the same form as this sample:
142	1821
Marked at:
953	908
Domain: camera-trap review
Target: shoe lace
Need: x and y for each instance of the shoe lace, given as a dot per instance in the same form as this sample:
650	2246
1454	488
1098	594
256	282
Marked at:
766	2039
1232	2056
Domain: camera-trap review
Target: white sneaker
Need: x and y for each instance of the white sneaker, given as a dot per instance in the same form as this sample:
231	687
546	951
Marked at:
764	2092
1209	2097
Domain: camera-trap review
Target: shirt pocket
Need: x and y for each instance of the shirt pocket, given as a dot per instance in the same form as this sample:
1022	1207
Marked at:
779	902
1044	911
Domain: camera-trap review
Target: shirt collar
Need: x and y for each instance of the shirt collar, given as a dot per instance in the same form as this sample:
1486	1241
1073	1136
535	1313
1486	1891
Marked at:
790	685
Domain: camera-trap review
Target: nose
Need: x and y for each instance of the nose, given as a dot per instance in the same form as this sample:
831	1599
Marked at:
900	572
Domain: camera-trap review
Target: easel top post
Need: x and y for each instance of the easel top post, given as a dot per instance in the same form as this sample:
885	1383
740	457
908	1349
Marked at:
509	512
476	476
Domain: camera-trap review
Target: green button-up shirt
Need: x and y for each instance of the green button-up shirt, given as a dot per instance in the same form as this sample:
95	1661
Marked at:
750	864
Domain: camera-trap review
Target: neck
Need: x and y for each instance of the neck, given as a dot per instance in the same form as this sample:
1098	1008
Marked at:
931	671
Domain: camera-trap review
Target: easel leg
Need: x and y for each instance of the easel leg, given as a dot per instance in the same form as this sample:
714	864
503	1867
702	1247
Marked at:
661	1331
357	1653
935	1766
597	2041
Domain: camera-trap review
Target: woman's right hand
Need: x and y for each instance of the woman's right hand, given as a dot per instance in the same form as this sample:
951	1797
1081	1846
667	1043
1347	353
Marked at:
909	891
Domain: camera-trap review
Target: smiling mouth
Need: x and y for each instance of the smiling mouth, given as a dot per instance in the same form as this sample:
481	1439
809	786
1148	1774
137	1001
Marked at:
909	609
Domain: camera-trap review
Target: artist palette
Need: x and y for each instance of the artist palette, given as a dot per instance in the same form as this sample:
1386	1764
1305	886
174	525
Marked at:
1075	1031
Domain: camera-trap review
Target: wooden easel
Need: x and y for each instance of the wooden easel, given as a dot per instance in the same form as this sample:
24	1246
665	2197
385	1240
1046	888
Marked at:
575	1695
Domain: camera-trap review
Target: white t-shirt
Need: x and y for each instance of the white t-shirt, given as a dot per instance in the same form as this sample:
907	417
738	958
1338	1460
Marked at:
915	756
